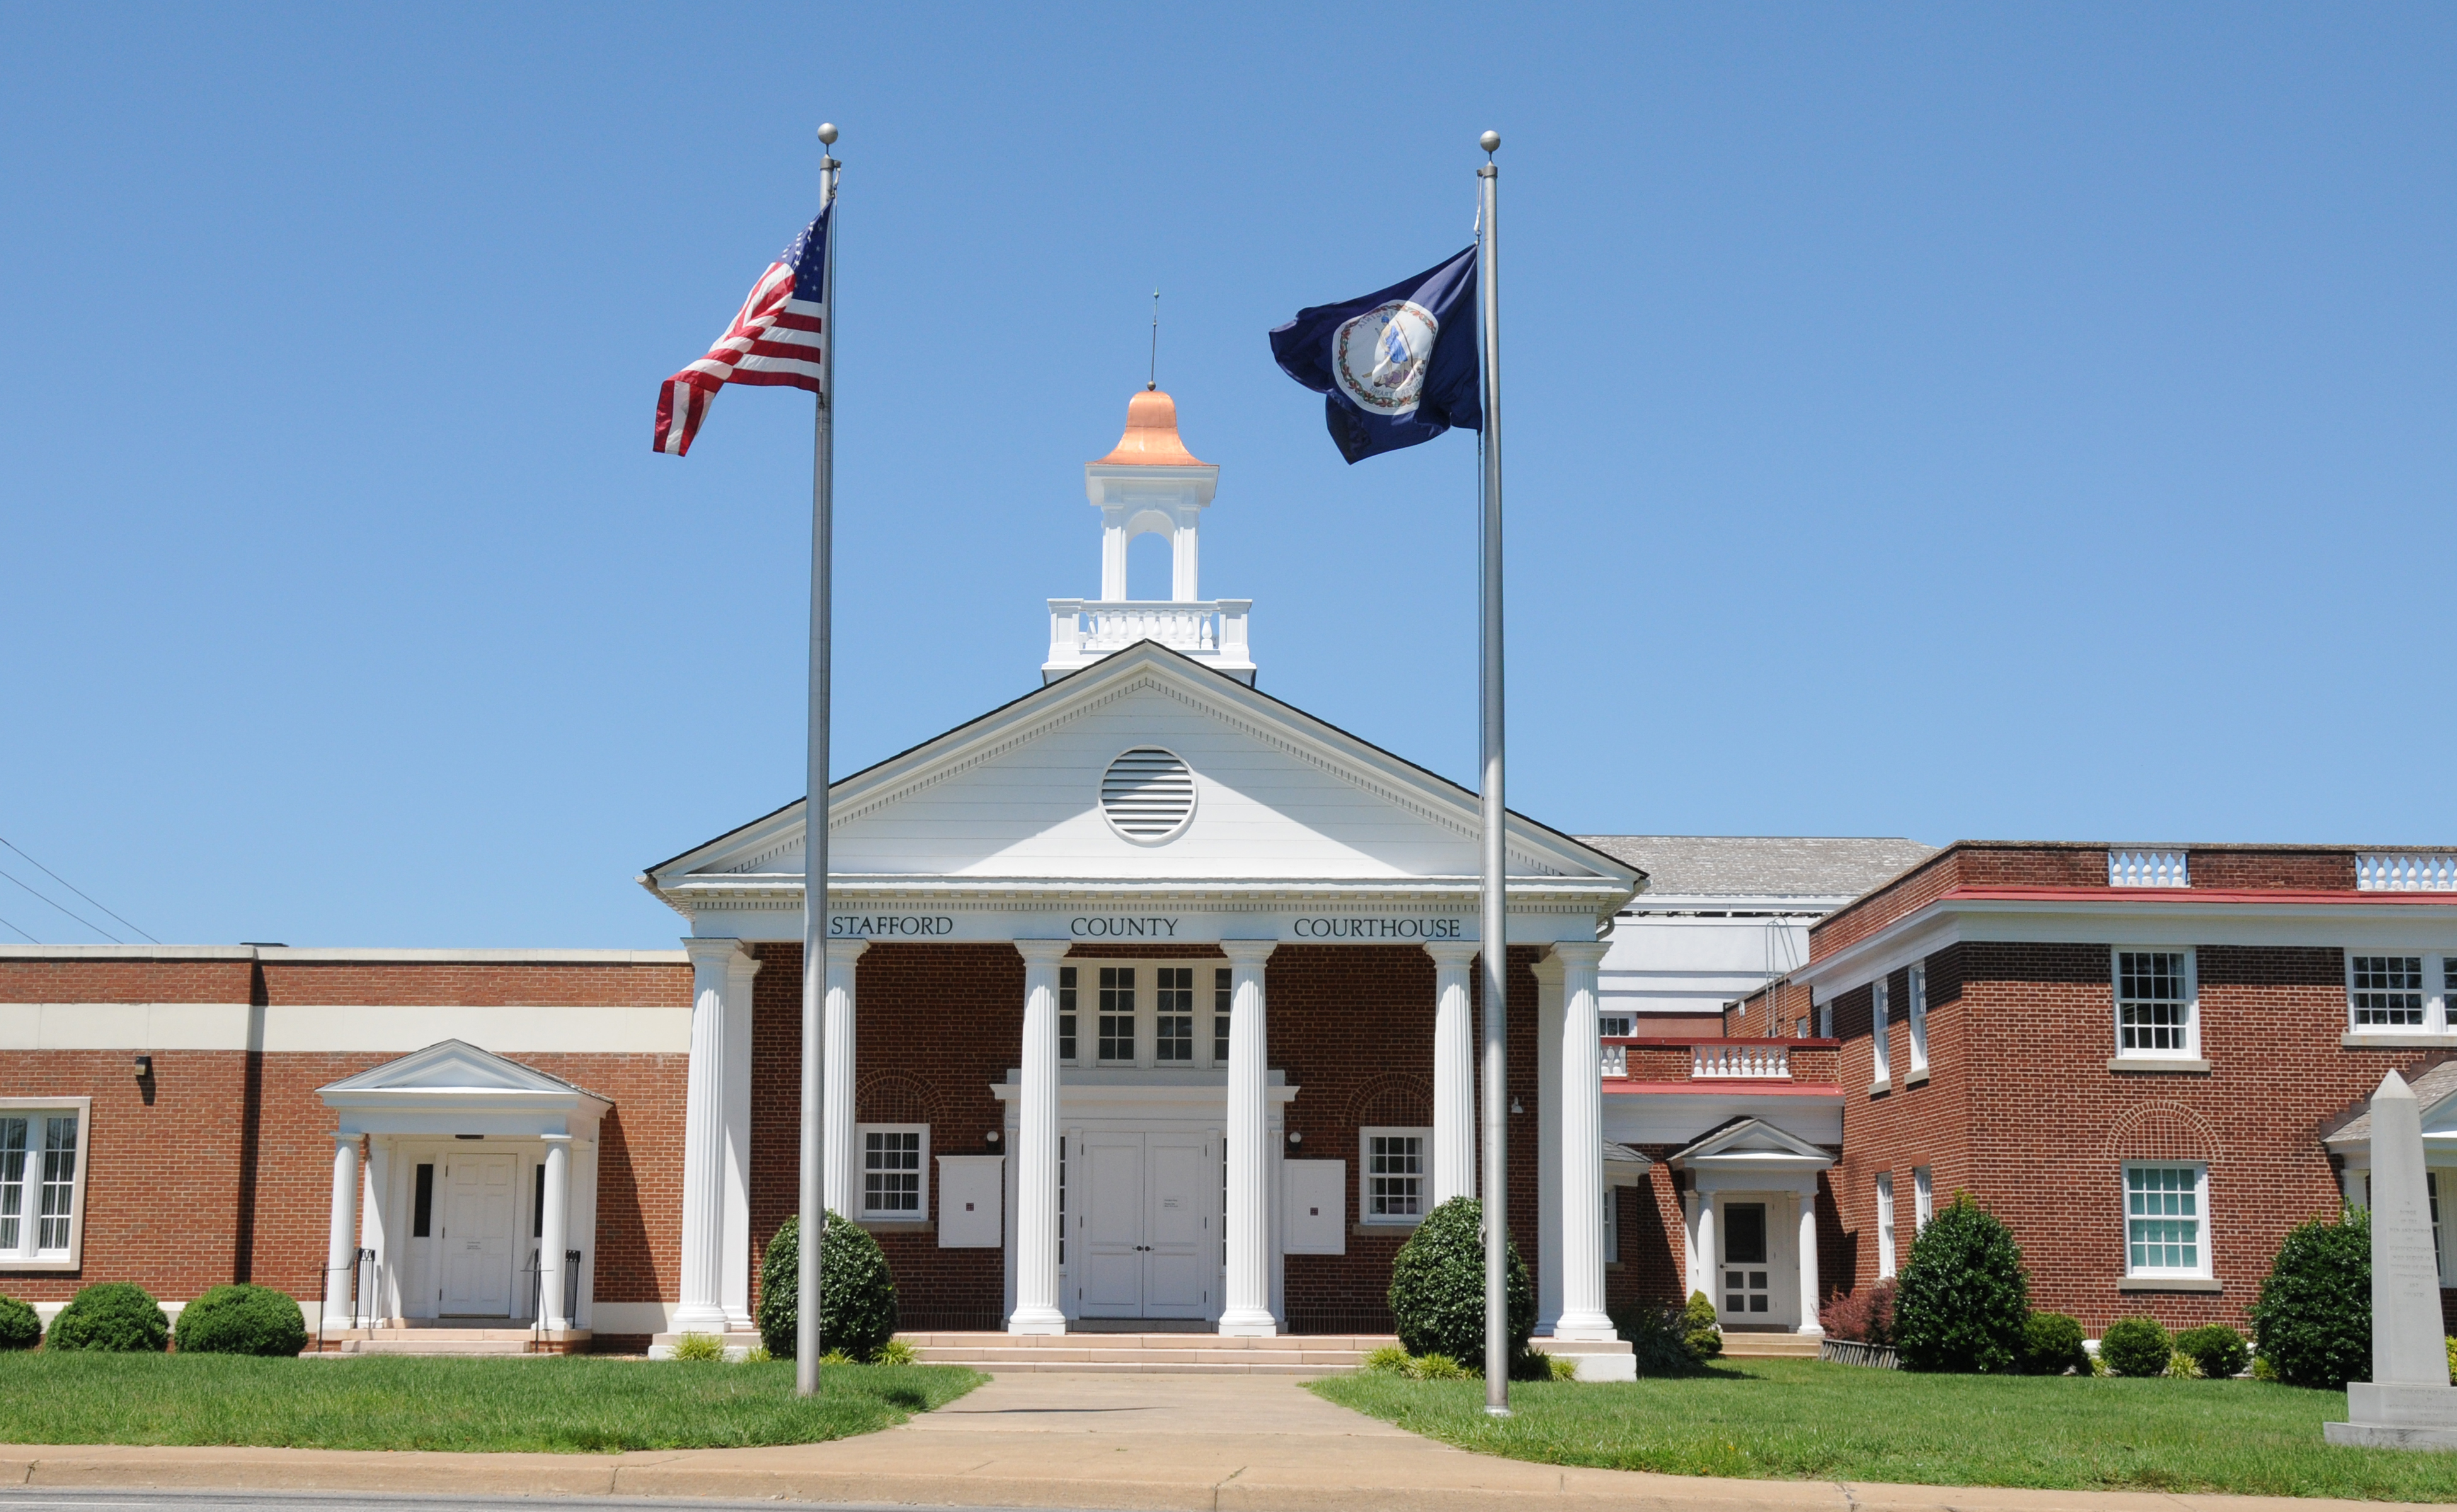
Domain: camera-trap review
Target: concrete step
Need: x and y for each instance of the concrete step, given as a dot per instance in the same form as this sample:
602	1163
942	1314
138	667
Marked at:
437	1346
1770	1346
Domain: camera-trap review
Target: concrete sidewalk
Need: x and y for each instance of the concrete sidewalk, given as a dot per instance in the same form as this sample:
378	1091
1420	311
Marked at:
1168	1444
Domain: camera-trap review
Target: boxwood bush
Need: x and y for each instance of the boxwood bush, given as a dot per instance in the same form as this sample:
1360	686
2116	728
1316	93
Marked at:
1964	1299
2216	1349
20	1326
240	1320
2136	1346
1438	1287
110	1315
2313	1322
856	1291
2051	1344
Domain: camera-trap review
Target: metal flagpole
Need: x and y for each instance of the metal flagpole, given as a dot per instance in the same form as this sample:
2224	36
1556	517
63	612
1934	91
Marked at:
815	800
1493	916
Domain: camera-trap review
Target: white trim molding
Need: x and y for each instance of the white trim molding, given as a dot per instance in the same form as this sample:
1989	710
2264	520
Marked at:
29	1166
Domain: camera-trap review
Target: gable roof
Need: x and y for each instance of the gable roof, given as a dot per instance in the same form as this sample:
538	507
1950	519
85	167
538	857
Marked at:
2435	1089
1409	794
451	1068
1754	1144
1761	865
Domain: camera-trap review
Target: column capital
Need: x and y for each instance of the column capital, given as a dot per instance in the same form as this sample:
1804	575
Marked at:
348	1137
1248	952
1453	953
1549	970
845	952
556	1139
1577	952
1042	952
711	950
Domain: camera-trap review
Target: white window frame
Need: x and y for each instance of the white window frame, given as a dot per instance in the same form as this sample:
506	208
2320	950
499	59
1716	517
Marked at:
919	1214
2202	1213
1365	1138
1070	1019
1196	1020
1885	1224
1138	1019
1917	989
2192	1051
1923	1198
1221	993
1880	1052
1825	1020
28	1255
2439	967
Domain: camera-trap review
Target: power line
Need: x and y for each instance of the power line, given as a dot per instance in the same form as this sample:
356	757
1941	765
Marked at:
71	886
79	918
29	939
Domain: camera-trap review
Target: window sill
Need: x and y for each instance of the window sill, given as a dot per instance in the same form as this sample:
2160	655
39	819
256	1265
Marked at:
1401	1226
1881	1085
2169	1283
2395	1040
1918	1078
897	1225
2176	1064
50	1266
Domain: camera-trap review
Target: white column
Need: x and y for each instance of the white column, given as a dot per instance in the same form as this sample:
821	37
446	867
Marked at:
1036	1153
1581	1146
1453	1074
374	1296
702	1308
841	1175
1247	1313
1808	1323
554	1275
733	1270
1549	1166
1702	1251
341	1248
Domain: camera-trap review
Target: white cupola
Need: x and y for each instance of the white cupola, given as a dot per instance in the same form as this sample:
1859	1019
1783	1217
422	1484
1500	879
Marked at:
1149	483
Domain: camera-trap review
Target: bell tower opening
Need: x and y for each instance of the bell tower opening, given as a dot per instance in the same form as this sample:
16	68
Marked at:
1150	485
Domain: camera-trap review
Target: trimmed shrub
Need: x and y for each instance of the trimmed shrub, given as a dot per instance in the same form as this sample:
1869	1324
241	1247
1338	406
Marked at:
1700	1334
242	1321
1659	1337
2051	1344
115	1315
2218	1350
2313	1322
1438	1286
856	1291
1864	1317
1962	1302
21	1327
2137	1346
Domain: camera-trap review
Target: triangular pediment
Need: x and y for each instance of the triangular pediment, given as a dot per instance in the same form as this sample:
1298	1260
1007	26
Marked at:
1018	795
1751	1143
448	1066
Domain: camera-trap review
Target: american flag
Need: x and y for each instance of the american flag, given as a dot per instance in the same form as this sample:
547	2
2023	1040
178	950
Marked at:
775	340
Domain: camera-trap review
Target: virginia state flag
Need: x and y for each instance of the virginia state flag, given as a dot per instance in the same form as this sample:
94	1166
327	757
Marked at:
1395	368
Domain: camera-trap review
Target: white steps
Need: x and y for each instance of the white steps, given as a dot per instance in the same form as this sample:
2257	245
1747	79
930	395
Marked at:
456	1341
1172	1354
1770	1346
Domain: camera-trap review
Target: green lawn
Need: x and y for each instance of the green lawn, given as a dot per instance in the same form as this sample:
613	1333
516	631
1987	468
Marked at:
1783	1419
572	1406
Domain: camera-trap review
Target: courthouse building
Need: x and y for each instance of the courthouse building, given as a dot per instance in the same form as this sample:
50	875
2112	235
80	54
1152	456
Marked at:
1150	1004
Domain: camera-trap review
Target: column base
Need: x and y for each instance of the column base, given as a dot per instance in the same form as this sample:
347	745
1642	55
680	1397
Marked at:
703	1319
1590	1327
1036	1320
1810	1330
1248	1323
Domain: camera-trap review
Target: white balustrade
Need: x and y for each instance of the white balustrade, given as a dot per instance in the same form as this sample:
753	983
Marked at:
1616	1062
2405	872
1752	1062
2147	869
1082	631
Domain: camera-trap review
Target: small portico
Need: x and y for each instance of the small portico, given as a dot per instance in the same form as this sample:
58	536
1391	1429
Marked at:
1750	1208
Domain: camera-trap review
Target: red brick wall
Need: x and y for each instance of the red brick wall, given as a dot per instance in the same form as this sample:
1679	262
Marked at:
121	980
2238	867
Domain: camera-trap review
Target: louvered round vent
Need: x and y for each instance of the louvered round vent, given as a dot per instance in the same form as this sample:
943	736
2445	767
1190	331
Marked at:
1149	794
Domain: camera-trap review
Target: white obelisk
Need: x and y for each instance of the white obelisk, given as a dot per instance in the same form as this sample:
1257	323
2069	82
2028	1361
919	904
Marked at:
2409	1402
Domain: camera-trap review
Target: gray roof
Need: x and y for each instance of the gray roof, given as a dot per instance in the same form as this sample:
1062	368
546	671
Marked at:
1761	865
2433	1088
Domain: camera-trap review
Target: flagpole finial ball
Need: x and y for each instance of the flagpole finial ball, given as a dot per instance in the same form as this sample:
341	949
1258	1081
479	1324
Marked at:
827	134
1489	142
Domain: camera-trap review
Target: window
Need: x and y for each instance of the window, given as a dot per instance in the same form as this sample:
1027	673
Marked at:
2163	1212
1613	1026
1612	1225
893	1161
1173	1029
2384	992
1062	1202
1885	1224
1918	994
422	1207
1826	1020
1067	1013
42	1184
1220	994
1745	1245
2155	1002
537	1204
1922	1199
1878	1050
1395	1174
2431	1192
1117	1015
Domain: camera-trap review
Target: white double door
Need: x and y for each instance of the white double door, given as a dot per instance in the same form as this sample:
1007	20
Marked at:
1147	1237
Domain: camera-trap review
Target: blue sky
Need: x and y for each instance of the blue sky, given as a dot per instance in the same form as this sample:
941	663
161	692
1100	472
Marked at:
2015	421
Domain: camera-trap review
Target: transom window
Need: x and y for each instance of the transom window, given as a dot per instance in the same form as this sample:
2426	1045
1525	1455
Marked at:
2154	1002
42	1185
2384	992
1614	1025
2165	1209
892	1170
1395	1174
1067	1013
1220	995
1117	1014
1173	1025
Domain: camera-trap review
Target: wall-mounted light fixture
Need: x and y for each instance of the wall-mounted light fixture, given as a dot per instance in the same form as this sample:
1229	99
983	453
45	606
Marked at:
1296	1138
990	1138
1515	1108
144	1067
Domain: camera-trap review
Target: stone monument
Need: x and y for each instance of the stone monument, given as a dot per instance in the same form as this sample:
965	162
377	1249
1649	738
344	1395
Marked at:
2409	1402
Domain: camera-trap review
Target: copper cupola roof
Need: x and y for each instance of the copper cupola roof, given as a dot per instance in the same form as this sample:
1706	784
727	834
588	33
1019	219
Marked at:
1151	438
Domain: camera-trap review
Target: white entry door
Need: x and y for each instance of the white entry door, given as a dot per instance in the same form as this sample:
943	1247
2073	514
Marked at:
477	1237
1148	1231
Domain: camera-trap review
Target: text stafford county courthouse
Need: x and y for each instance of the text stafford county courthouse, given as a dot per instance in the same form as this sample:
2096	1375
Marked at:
1079	945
